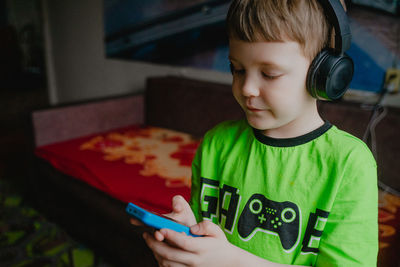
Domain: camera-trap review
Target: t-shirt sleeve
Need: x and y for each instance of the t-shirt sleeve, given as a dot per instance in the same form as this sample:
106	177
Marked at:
351	233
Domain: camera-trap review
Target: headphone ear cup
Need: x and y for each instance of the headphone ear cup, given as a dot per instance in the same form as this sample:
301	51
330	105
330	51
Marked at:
313	73
329	75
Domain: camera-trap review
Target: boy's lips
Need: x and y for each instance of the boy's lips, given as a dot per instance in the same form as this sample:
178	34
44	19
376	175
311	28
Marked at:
254	109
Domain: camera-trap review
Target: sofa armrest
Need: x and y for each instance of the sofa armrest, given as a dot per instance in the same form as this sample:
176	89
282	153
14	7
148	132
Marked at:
66	122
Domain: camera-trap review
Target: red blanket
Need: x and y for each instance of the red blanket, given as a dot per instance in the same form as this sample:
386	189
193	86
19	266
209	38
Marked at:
143	165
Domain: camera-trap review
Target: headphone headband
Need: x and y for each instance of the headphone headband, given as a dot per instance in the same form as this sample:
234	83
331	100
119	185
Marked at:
337	16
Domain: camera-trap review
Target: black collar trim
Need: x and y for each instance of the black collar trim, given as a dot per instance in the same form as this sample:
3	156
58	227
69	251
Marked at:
295	141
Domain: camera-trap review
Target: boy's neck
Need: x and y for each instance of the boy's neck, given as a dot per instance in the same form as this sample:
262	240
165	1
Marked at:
306	123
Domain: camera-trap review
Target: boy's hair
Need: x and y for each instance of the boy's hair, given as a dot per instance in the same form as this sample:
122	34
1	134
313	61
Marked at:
302	21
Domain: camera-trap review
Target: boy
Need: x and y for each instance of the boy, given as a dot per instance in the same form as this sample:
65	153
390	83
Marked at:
283	186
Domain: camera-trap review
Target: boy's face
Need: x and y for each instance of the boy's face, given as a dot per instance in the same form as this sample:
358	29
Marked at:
269	84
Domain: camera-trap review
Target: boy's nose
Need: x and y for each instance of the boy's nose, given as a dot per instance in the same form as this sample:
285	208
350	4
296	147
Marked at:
250	87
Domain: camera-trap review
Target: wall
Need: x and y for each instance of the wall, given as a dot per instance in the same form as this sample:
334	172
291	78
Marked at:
76	66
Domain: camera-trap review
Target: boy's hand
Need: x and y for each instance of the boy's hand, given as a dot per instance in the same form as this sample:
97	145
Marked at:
181	212
213	249
171	248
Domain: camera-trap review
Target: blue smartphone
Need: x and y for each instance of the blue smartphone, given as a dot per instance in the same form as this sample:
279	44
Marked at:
156	221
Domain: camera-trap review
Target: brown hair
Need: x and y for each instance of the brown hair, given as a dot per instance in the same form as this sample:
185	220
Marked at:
302	21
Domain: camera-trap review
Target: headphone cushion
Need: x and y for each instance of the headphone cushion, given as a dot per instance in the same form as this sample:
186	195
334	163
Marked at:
330	75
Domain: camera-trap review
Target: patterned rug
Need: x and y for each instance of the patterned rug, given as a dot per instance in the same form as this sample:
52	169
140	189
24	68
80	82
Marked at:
28	239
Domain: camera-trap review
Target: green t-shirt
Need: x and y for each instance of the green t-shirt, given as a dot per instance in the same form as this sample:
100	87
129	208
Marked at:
309	200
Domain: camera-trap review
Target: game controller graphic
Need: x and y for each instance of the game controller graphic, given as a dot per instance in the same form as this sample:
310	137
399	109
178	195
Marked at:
276	218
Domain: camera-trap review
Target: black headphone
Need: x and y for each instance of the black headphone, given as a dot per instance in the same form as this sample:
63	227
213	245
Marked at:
331	71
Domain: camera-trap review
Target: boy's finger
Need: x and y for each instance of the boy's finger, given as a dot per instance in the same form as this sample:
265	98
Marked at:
136	222
165	252
181	211
178	203
159	236
163	262
180	240
207	228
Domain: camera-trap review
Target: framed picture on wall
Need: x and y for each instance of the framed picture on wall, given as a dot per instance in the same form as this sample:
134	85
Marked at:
191	33
173	32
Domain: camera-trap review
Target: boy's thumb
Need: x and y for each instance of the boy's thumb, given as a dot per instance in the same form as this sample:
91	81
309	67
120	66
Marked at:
181	211
178	204
207	228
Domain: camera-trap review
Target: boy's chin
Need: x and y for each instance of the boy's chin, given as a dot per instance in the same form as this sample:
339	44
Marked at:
262	121
265	125
259	125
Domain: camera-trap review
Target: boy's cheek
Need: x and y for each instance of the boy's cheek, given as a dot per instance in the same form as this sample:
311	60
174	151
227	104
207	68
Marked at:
237	96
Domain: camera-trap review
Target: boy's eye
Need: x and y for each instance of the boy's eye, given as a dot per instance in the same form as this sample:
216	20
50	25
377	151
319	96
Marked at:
236	71
269	76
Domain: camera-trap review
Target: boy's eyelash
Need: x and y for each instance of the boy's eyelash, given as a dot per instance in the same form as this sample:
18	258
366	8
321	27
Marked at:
269	77
236	71
242	71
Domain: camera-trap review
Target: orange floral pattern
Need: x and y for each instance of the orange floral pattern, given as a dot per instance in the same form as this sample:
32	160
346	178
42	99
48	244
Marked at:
388	218
162	152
